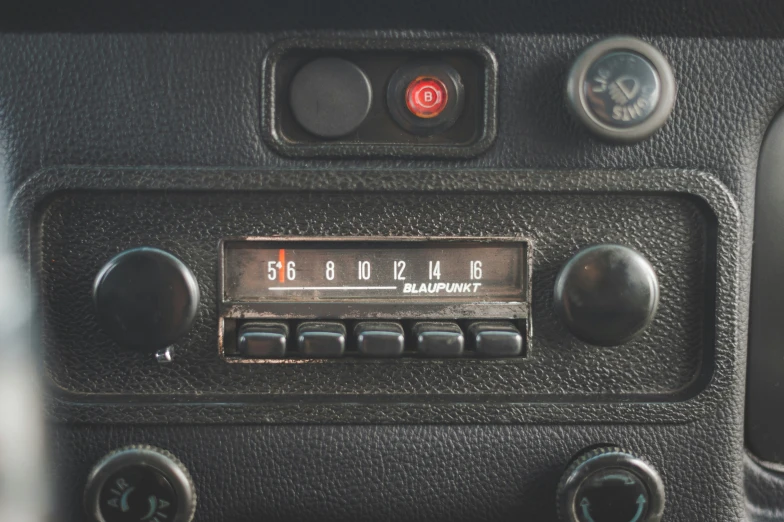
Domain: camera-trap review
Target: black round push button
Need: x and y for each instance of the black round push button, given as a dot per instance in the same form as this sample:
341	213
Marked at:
145	299
622	89
426	98
140	484
330	97
610	485
606	294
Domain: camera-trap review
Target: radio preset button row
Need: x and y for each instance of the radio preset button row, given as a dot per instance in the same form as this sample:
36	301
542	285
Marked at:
380	339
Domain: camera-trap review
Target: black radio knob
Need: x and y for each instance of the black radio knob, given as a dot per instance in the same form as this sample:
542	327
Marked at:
610	485
606	294
145	299
140	484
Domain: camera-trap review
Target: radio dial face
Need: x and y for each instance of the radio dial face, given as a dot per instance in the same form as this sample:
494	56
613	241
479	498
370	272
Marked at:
438	270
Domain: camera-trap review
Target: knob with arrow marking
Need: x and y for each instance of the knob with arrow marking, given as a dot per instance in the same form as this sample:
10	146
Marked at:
140	484
610	485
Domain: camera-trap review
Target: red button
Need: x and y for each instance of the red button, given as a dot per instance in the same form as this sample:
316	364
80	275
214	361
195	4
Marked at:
426	97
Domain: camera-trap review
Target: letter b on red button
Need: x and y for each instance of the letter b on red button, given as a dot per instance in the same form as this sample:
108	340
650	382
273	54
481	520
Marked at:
426	97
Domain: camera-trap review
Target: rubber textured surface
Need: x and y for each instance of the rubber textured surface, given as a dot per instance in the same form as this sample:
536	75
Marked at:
764	423
416	473
758	18
192	100
672	362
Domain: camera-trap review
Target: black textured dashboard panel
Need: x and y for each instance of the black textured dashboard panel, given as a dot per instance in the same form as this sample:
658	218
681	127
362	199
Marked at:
765	396
718	18
412	473
80	230
192	101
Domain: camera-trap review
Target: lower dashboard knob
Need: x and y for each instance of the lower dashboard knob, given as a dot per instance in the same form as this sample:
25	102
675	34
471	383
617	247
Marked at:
140	484
610	485
606	294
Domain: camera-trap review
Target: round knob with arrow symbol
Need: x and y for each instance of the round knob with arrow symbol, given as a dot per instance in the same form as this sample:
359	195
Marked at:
140	484
610	485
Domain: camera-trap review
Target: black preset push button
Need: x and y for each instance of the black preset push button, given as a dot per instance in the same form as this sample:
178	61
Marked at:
496	339
380	339
439	339
263	340
321	339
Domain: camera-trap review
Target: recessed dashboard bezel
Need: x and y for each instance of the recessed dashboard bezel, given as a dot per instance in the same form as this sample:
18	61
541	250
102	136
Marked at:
265	392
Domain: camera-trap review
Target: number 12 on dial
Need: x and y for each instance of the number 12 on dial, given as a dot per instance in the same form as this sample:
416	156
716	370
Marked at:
399	267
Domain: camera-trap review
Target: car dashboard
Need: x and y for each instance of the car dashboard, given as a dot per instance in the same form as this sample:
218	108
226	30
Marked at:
416	262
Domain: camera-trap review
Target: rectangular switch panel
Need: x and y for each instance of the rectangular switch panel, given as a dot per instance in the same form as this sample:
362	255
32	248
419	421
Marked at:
378	97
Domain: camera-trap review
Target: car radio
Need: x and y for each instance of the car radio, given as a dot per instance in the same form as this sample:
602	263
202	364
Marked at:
374	297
